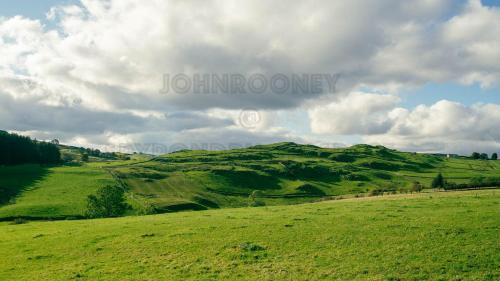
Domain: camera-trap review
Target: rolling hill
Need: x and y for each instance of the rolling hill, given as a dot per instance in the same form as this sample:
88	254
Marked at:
284	173
276	174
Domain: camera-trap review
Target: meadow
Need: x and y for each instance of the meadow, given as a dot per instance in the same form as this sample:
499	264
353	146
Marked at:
50	192
426	236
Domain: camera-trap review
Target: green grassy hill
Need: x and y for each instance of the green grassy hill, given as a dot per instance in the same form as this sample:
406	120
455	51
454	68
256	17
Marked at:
276	174
427	236
285	173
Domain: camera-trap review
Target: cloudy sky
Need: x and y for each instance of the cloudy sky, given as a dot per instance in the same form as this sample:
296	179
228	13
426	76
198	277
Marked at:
413	75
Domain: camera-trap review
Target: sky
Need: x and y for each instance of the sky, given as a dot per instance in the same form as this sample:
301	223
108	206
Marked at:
416	76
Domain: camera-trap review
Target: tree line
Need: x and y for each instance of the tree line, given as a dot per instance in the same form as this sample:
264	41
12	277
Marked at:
484	156
97	153
477	182
16	150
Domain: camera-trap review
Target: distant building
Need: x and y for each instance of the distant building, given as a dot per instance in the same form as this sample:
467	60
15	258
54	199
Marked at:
446	155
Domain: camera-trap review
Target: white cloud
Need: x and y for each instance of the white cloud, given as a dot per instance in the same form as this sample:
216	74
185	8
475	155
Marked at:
444	126
100	70
357	113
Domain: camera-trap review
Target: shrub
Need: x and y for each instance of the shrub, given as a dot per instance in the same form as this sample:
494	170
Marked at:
376	192
416	187
355	177
342	158
85	157
382	175
438	181
477	182
19	221
109	201
253	201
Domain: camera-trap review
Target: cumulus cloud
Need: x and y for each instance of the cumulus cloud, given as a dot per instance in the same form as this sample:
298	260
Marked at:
96	70
443	126
357	113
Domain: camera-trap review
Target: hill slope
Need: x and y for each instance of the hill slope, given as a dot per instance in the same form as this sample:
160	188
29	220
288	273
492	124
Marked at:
284	173
276	174
55	192
438	236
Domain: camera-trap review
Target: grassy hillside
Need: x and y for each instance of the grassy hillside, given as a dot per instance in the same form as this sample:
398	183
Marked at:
277	174
285	173
438	236
53	193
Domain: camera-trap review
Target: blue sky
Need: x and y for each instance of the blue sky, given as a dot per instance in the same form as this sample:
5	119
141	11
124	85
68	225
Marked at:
35	9
432	93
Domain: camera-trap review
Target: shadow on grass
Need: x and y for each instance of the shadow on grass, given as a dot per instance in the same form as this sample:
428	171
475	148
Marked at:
16	179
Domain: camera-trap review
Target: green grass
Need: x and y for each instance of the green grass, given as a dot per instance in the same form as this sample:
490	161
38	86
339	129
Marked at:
282	173
428	236
279	172
16	179
56	192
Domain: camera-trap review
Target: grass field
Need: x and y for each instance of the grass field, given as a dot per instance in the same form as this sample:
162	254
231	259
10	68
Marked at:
279	174
427	236
56	192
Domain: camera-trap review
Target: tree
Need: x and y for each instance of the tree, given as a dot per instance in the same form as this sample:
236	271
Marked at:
484	156
109	201
416	187
438	181
494	156
85	157
16	150
475	155
477	181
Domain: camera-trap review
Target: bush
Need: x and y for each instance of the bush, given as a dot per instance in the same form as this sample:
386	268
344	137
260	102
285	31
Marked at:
477	182
355	177
253	201
342	158
416	187
19	221
108	202
85	157
376	192
438	181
